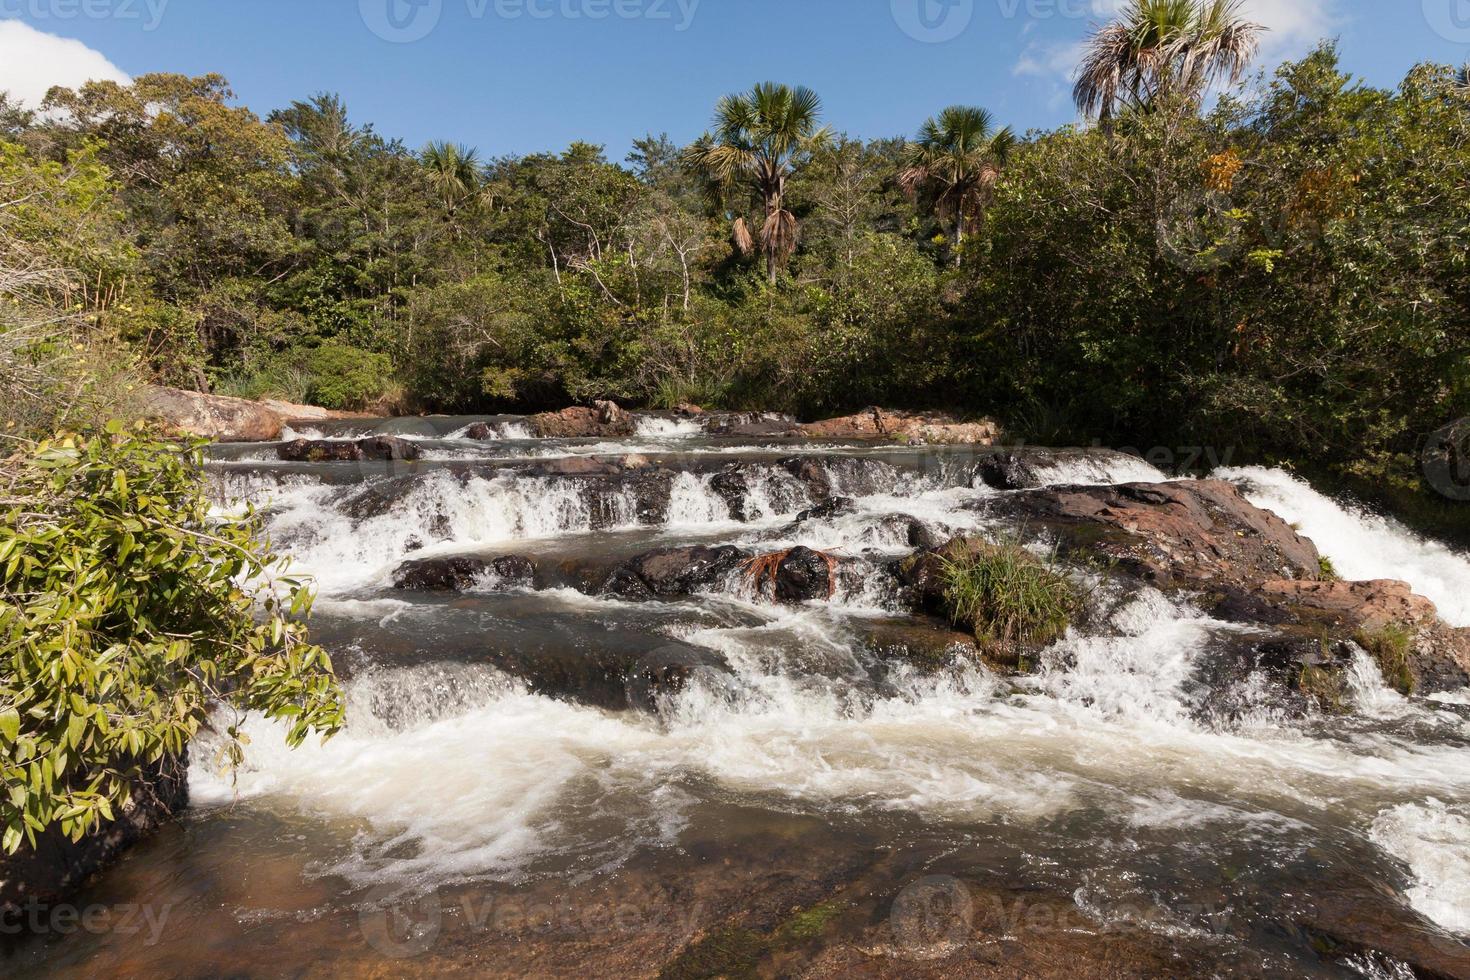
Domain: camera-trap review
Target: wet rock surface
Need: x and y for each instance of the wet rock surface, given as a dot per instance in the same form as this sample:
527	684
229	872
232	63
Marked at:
675	573
1417	652
381	448
1197	534
462	573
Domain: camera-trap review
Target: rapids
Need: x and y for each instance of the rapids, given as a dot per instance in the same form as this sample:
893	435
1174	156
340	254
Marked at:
1110	775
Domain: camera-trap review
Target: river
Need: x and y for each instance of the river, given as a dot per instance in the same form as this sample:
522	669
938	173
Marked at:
809	807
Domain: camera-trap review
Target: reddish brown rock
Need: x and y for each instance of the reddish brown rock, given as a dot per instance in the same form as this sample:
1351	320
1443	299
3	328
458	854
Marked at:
212	416
910	427
1362	605
1401	630
604	422
1196	534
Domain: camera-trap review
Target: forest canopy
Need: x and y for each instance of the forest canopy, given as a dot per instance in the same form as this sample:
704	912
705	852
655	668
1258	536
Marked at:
1281	272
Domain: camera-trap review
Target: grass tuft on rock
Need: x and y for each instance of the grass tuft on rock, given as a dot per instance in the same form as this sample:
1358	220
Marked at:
1008	597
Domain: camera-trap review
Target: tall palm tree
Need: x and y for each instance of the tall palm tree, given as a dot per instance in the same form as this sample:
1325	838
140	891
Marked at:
1163	48
954	163
760	139
454	173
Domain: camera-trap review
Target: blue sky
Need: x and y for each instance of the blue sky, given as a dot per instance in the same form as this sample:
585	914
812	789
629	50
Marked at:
515	76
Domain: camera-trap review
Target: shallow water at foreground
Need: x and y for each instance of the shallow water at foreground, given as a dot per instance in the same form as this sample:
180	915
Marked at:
815	807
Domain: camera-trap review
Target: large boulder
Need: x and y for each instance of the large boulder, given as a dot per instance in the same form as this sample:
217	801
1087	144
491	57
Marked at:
460	573
1416	651
605	421
673	573
53	869
212	416
380	448
1190	534
917	428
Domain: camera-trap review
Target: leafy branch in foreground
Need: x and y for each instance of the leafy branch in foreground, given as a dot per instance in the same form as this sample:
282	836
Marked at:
127	615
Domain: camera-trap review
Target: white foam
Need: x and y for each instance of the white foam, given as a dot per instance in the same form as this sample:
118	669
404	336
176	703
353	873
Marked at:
1433	839
1100	470
1364	546
655	427
457	772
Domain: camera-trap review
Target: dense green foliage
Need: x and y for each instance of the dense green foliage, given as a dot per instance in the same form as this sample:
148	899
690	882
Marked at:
1284	275
125	620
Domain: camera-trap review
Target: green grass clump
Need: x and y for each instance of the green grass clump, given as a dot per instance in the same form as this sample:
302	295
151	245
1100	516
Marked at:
1328	570
1008	597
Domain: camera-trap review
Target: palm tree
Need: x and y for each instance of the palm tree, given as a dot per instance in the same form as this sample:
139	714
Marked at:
1163	48
454	173
954	163
760	139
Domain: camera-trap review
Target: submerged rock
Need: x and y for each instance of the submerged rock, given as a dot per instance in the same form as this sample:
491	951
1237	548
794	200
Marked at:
623	674
461	573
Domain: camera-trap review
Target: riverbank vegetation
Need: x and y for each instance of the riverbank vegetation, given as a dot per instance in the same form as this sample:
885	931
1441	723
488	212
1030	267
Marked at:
1281	272
128	616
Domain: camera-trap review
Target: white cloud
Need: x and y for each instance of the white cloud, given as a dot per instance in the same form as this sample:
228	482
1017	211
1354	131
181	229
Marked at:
1292	26
32	61
1048	59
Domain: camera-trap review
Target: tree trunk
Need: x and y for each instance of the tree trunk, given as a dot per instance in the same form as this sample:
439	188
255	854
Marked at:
773	208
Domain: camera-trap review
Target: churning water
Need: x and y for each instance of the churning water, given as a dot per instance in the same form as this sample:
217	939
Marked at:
1109	772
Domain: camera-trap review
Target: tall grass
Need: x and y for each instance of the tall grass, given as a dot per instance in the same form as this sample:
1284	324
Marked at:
1008	597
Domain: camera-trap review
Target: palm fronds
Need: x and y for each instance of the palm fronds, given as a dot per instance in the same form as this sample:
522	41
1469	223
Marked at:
1161	48
758	139
954	162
